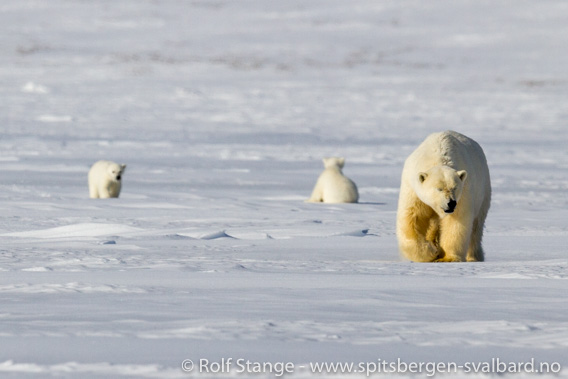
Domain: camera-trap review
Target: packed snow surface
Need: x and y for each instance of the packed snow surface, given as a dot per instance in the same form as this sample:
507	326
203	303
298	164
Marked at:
222	111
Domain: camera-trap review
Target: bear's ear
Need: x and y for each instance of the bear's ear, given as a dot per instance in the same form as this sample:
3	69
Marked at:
341	162
123	167
463	175
422	177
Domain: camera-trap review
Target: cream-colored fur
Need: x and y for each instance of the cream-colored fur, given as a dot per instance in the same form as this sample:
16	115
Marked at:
332	186
105	179
445	193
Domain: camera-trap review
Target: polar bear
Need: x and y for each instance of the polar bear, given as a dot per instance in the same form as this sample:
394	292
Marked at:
332	186
105	179
445	193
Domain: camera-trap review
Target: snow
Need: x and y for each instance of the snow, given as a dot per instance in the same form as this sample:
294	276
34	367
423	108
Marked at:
222	111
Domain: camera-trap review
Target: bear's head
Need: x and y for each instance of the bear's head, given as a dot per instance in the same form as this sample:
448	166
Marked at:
441	188
115	171
334	162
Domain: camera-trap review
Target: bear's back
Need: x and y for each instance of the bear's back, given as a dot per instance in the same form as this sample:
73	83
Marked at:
337	188
99	168
448	148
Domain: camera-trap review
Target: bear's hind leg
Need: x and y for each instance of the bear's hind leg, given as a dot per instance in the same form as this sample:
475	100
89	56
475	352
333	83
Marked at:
93	193
317	194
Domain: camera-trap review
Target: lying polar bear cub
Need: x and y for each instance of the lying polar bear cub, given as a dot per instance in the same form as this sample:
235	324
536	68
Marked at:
332	186
105	179
445	193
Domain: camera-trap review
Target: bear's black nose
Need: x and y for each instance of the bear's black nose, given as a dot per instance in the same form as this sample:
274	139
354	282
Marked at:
451	206
118	177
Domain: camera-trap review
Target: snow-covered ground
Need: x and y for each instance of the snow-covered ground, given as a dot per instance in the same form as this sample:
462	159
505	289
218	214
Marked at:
222	111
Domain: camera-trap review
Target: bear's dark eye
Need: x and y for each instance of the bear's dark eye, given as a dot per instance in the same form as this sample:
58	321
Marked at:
440	189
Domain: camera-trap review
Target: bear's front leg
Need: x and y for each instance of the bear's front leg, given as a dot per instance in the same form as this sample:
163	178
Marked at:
455	234
414	241
104	192
447	258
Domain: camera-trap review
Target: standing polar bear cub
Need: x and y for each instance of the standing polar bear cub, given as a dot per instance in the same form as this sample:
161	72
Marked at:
332	186
105	179
445	193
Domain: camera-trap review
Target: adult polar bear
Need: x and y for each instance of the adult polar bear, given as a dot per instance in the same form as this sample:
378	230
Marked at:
445	193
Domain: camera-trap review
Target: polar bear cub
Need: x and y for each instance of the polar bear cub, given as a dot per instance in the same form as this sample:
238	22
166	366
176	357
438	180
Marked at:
445	193
332	186
105	179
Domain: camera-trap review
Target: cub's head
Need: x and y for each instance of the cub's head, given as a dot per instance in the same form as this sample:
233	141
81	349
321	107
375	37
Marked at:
115	171
333	162
441	188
